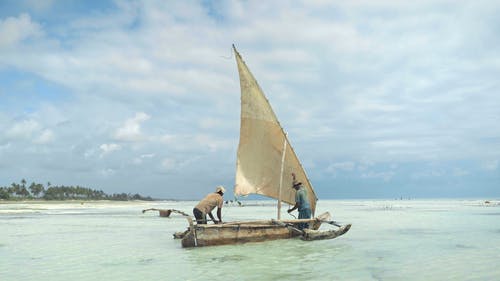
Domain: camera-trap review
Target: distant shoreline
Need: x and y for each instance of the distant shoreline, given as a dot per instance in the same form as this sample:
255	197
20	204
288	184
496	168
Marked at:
491	202
72	201
37	191
41	201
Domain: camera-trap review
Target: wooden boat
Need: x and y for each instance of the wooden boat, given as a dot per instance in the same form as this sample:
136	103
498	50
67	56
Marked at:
165	213
265	162
254	231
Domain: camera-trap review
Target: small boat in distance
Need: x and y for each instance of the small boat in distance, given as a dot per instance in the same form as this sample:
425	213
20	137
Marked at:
265	162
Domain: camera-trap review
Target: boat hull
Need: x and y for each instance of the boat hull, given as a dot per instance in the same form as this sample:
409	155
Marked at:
238	233
212	235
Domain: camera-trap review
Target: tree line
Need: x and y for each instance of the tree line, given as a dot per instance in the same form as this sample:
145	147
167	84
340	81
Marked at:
22	191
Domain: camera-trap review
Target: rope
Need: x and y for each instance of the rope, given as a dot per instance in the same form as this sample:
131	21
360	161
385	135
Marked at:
230	56
292	215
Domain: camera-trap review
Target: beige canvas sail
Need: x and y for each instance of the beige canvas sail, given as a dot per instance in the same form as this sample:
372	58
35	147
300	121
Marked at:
260	151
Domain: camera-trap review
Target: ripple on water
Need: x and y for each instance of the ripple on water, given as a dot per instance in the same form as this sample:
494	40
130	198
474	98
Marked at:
146	261
420	231
490	214
226	258
463	246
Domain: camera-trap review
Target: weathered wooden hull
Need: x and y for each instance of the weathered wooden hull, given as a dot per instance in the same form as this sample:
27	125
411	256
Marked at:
243	232
211	235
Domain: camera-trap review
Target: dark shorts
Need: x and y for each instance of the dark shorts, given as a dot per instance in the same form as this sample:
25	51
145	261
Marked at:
304	214
201	218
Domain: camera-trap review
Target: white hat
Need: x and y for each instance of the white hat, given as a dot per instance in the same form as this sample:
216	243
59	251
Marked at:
220	188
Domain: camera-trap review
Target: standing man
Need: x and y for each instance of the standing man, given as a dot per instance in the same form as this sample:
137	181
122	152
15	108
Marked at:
207	204
301	202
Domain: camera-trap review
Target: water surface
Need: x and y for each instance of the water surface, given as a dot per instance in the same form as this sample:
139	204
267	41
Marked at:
389	240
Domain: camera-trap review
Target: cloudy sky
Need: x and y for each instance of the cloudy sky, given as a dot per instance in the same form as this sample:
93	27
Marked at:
380	99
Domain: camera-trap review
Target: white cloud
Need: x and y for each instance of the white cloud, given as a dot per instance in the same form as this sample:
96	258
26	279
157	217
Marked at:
459	172
210	123
108	148
108	172
167	138
343	166
213	143
46	136
5	146
386	176
366	82
168	164
40	6
23	129
491	165
131	129
89	153
426	174
15	29
139	160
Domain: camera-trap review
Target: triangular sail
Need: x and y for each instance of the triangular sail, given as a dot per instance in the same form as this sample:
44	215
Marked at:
260	151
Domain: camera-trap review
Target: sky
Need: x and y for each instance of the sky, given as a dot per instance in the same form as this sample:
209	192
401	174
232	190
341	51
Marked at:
380	99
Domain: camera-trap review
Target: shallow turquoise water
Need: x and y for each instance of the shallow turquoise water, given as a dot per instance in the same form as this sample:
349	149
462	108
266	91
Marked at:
389	240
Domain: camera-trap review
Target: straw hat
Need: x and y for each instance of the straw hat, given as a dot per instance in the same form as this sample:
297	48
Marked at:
220	188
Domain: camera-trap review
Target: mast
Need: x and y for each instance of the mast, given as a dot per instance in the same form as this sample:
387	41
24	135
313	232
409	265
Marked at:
281	178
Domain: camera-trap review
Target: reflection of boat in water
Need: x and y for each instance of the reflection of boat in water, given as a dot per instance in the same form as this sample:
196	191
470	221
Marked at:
265	161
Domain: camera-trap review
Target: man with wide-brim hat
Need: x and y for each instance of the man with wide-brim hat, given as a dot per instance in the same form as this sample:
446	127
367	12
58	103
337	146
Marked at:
301	202
207	204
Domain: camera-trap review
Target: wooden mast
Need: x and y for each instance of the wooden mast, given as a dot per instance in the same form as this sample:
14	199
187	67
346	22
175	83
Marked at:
281	178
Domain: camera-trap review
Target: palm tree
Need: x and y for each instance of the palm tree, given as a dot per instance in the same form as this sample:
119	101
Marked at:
32	188
24	192
4	193
36	189
15	189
